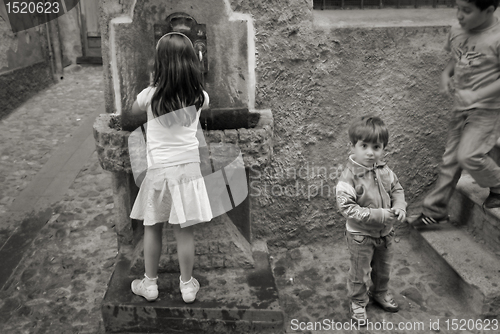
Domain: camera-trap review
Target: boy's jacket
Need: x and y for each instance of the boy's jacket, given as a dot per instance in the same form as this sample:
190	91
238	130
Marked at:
363	193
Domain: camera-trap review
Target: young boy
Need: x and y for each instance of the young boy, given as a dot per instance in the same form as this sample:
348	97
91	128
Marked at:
370	197
474	74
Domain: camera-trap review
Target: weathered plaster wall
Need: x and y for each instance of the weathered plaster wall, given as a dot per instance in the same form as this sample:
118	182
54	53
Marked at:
24	66
316	81
19	50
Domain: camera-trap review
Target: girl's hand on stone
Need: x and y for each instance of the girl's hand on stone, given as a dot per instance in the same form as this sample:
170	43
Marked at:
400	214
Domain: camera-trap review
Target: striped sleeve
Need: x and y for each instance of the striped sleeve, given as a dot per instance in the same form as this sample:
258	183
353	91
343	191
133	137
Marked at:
350	209
346	202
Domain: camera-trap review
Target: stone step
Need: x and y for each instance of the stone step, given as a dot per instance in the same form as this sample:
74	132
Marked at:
465	208
461	257
92	59
234	300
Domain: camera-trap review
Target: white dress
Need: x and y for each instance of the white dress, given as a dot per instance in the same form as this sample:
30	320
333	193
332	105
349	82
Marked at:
173	189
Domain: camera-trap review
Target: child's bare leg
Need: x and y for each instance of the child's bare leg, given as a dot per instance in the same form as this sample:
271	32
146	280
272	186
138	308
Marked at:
185	250
152	248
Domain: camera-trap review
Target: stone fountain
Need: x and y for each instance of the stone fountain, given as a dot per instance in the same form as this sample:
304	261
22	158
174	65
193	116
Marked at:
238	292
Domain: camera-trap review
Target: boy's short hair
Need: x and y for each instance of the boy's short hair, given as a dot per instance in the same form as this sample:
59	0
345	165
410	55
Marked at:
484	4
370	129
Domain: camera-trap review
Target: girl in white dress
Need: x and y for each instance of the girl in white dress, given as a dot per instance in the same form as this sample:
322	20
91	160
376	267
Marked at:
173	189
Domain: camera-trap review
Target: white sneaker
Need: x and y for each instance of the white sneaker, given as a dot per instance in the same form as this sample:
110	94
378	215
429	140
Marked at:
358	313
189	289
149	292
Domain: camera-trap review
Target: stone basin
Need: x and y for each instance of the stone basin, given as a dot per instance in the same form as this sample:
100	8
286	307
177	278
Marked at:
254	143
220	126
251	131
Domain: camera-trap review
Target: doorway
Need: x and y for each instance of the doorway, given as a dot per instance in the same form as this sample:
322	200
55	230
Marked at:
90	32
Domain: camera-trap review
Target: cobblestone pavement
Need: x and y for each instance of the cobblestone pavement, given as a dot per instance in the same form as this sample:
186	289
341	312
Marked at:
312	279
33	131
59	285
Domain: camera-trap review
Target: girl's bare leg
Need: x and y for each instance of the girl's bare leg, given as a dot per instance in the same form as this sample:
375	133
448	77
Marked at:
185	250
152	248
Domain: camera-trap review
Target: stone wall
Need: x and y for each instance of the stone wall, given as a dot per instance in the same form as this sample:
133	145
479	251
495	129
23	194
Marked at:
19	85
24	64
21	49
134	47
316	81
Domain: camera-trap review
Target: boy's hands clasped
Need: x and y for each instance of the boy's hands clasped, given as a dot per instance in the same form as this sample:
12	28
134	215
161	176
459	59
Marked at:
395	215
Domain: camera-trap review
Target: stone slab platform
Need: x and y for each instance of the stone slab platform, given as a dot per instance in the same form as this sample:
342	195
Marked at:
231	300
461	254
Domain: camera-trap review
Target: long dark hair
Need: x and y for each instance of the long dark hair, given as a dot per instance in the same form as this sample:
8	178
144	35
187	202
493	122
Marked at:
177	78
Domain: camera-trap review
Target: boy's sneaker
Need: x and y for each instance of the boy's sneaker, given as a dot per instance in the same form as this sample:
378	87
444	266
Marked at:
358	314
424	220
386	302
149	292
189	289
492	201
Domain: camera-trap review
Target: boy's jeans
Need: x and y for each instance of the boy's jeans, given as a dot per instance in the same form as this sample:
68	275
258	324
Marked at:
367	254
472	135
